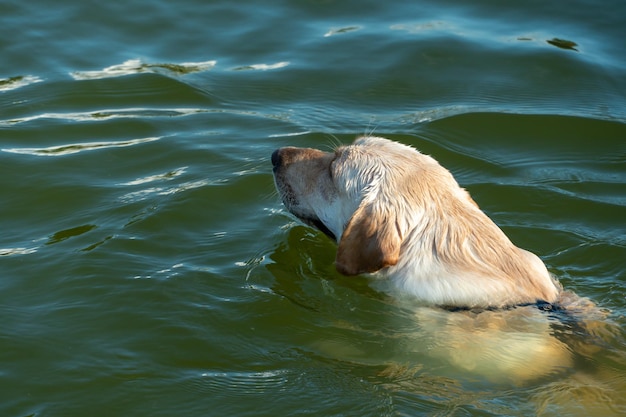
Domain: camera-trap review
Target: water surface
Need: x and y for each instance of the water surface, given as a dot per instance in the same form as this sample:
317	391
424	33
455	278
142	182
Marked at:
148	267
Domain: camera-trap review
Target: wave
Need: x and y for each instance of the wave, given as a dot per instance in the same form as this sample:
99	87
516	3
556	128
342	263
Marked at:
17	251
77	147
14	83
262	67
128	113
136	66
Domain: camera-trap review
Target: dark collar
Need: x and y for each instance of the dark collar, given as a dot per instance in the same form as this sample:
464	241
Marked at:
540	304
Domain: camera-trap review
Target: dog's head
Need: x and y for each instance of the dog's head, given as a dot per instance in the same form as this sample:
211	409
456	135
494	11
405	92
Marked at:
366	196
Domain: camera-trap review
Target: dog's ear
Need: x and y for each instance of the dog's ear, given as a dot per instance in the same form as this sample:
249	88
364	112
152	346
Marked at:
370	242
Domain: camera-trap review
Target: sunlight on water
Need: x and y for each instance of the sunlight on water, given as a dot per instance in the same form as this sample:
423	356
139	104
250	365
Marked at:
136	66
61	150
18	82
170	175
263	67
127	113
16	251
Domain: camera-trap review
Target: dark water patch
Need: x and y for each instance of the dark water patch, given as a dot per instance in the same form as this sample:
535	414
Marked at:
563	44
68	233
549	135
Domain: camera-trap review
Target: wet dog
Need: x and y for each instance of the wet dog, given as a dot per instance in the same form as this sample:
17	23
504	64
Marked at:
398	214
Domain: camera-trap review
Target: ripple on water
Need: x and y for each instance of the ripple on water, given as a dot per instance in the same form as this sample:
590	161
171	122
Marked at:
136	66
61	150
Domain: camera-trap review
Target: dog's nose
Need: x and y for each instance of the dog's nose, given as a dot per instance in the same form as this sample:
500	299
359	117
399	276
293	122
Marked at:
276	158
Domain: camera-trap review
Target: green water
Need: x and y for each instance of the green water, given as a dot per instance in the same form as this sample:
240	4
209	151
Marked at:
148	267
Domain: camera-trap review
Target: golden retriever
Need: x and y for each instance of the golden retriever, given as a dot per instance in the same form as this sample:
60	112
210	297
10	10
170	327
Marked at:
400	215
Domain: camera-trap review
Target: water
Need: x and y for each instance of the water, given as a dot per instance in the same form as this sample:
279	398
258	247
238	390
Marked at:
148	267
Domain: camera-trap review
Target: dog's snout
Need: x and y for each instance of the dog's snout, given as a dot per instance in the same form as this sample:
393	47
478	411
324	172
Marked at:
284	156
288	155
276	158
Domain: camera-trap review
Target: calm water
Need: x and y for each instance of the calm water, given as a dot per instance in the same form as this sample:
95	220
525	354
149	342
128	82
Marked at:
148	268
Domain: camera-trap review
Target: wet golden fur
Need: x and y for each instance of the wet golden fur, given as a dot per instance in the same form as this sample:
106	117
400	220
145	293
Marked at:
396	212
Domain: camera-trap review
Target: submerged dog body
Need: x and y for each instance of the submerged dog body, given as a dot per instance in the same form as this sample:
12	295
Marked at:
396	212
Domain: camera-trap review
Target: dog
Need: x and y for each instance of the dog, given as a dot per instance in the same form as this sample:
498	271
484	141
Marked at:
399	214
479	300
